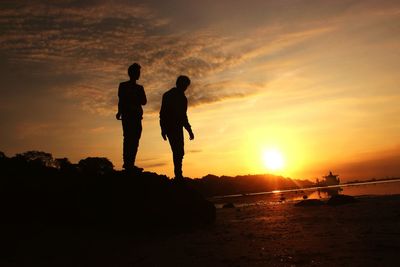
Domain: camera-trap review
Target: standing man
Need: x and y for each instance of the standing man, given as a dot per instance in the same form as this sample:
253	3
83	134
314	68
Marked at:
131	98
173	119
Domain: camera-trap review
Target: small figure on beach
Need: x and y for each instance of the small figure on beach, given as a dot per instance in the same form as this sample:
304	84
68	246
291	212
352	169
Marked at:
131	99
173	118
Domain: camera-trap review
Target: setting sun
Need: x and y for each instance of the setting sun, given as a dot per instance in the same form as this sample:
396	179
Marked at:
273	160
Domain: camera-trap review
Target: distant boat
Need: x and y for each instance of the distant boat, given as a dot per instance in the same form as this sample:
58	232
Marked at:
331	179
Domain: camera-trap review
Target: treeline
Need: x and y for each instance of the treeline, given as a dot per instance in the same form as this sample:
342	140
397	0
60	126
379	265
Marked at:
38	168
33	163
35	187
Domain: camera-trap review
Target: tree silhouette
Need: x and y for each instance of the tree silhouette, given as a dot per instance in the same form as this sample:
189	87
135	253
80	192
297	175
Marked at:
64	165
95	165
38	158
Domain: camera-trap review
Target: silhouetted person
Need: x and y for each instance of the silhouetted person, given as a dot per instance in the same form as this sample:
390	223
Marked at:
131	98
173	119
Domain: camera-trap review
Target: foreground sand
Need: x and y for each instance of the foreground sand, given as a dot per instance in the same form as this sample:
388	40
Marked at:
366	233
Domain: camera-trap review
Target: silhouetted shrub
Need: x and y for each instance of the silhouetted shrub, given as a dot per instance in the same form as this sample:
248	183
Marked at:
95	166
38	158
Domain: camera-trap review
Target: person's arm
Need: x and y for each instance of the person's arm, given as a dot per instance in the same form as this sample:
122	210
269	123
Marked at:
186	123
118	115
143	99
189	129
162	118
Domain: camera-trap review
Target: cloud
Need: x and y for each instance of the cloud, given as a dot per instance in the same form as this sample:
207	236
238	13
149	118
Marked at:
151	162
93	43
195	151
93	99
152	165
221	90
98	42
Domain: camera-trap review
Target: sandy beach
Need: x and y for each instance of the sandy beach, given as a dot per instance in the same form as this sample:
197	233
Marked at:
366	233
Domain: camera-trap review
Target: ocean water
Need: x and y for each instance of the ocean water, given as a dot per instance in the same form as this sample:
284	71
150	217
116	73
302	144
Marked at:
390	187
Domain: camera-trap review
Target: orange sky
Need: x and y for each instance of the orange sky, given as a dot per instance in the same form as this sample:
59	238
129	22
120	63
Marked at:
317	81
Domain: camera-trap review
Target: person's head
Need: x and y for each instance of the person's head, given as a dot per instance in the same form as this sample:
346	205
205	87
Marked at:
182	82
134	71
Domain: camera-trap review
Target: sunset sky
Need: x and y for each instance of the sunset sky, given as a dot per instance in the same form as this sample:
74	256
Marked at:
316	81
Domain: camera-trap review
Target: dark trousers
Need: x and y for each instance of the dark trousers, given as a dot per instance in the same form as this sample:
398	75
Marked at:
132	127
175	138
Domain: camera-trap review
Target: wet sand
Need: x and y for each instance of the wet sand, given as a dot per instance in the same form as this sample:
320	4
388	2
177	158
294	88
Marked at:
366	233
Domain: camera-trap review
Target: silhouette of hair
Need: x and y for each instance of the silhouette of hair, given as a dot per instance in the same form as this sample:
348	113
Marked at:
182	81
134	70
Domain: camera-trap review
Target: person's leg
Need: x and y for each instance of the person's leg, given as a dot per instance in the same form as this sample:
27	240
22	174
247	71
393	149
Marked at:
127	143
136	134
175	138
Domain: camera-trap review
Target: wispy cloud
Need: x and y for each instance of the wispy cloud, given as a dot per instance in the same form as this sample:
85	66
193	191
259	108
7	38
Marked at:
99	40
195	151
221	90
93	43
152	165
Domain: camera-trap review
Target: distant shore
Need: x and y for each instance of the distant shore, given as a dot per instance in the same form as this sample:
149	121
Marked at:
313	188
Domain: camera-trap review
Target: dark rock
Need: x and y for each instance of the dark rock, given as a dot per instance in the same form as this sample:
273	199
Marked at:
341	200
150	200
309	203
116	200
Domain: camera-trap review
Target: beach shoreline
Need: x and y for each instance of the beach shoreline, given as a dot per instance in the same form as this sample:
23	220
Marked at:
365	233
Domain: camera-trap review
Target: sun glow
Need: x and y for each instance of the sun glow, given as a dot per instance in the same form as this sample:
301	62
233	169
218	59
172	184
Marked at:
273	160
